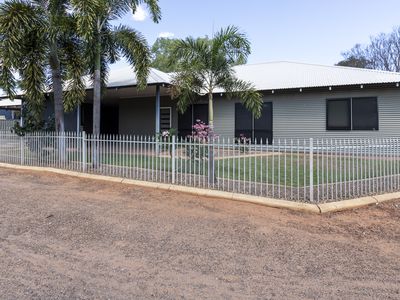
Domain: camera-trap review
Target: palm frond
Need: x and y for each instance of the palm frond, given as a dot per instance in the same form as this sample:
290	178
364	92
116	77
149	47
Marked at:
7	80
152	5
134	48
186	87
87	16
232	43
245	92
74	68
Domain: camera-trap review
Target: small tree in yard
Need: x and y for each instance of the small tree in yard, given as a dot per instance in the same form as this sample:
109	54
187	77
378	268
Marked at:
206	65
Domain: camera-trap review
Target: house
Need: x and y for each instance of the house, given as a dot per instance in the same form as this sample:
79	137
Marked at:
9	110
300	101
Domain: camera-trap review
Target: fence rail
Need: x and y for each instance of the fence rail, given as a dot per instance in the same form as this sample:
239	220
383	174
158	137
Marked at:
307	170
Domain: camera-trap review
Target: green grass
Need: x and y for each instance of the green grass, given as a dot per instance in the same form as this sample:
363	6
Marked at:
269	169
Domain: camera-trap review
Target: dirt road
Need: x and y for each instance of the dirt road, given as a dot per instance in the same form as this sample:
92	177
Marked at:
68	238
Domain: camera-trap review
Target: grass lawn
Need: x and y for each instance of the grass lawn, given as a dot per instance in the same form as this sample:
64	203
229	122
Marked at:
278	169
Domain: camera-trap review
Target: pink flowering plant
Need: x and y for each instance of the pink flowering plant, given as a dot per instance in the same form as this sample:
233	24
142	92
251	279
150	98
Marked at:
201	133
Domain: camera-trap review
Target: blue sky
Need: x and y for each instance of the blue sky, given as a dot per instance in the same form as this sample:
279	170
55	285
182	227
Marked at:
314	31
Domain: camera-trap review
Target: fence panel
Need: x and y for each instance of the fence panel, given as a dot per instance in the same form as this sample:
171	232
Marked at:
6	125
319	170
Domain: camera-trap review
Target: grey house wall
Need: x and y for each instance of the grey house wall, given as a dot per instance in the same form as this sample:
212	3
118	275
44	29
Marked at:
137	116
70	118
304	114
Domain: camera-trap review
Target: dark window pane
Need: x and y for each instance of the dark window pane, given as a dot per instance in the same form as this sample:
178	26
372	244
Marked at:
243	121
185	122
263	125
365	114
200	112
338	114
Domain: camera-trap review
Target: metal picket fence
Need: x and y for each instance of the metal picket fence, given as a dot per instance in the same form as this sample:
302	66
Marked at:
306	170
6	125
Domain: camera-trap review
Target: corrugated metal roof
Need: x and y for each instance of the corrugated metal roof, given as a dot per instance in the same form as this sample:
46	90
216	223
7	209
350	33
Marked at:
272	76
289	75
126	77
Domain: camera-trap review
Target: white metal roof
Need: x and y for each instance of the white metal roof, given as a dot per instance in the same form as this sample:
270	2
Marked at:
272	76
125	76
288	75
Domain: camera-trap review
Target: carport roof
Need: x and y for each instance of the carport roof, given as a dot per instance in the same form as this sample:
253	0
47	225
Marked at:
122	77
125	76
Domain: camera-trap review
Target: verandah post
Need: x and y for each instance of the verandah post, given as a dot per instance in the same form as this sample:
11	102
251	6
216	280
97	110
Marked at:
84	152
173	154
311	170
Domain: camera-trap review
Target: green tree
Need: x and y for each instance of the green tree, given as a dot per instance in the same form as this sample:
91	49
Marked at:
161	52
38	43
106	43
206	65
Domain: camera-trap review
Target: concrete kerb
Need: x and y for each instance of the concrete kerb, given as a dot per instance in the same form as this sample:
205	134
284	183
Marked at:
269	202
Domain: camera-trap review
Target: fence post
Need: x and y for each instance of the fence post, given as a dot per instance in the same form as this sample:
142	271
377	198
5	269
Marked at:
22	148
84	152
311	170
173	154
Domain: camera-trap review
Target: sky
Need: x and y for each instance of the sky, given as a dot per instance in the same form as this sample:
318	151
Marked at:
311	31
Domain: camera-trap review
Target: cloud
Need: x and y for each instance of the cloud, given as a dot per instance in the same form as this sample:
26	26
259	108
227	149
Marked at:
166	34
140	14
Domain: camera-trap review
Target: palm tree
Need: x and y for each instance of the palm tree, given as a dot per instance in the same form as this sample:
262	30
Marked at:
38	43
206	65
107	43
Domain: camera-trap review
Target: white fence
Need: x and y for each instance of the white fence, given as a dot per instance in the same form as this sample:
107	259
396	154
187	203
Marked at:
6	125
318	170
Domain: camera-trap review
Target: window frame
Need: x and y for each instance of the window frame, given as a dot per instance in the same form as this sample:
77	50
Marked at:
351	127
170	116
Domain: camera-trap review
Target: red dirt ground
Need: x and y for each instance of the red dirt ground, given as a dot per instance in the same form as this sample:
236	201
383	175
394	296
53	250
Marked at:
63	238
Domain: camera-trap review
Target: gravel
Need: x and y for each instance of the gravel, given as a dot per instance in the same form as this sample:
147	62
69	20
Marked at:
69	238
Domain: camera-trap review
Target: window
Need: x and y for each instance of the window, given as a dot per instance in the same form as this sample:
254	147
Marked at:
352	114
255	129
243	121
188	118
165	118
338	114
365	114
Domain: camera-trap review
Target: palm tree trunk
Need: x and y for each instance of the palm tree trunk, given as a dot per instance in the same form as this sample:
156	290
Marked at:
97	94
57	92
96	101
58	100
211	160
